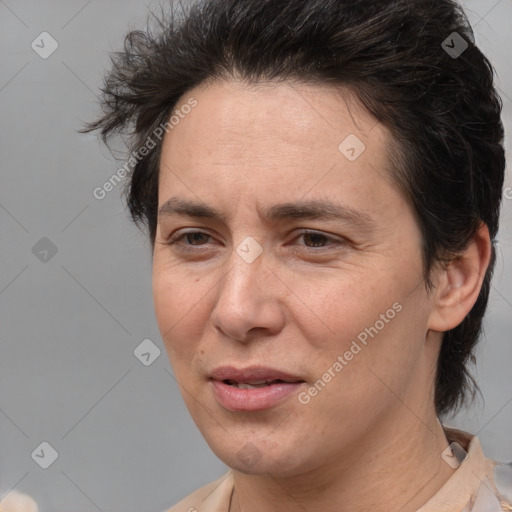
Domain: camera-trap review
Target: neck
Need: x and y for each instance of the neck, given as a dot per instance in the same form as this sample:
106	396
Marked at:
397	467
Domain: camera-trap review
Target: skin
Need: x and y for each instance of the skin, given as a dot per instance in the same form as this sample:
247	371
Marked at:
370	439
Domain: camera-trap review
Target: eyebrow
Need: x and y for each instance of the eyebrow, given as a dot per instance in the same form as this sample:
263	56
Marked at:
312	209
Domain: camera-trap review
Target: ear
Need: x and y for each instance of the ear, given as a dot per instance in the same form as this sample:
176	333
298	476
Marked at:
458	284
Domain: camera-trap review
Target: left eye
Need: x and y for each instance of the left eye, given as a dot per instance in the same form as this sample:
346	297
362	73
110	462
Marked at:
317	239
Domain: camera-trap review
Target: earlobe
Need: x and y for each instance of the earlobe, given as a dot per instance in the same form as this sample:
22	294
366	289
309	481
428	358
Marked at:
459	283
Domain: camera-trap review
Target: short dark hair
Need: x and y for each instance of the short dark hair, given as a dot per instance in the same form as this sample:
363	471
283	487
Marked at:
442	109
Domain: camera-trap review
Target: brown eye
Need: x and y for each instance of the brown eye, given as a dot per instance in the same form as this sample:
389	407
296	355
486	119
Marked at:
191	236
314	239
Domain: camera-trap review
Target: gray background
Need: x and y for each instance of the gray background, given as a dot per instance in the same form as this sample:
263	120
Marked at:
69	325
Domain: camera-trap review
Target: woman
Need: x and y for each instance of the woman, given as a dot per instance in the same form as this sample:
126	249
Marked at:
321	183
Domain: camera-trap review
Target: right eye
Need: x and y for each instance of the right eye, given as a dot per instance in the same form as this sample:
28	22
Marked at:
189	235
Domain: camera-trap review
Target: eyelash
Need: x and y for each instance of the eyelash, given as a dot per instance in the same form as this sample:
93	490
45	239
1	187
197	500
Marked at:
177	239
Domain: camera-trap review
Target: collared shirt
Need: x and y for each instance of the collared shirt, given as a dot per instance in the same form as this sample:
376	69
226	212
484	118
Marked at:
477	485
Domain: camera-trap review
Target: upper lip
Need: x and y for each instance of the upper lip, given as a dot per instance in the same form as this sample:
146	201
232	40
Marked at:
251	373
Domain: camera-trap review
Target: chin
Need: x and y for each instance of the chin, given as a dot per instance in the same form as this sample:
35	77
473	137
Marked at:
253	457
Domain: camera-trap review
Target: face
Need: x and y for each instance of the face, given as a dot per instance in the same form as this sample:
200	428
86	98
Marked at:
287	275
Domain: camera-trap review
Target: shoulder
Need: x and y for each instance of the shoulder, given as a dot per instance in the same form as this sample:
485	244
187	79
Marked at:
214	496
503	484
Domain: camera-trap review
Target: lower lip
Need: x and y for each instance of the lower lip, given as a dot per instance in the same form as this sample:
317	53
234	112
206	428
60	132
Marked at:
256	399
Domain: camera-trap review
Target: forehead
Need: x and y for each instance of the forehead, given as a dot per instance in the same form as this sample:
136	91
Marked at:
291	110
272	138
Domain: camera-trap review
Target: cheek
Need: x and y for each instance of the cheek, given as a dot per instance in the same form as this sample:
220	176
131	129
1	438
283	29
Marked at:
332	312
177	303
381	356
376	321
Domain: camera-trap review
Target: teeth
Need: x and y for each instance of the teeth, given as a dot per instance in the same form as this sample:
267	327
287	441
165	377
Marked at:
255	383
252	385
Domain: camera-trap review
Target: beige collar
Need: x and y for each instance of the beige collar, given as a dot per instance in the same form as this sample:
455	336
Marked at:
464	484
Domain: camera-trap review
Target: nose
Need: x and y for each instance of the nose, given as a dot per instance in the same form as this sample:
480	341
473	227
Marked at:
249	301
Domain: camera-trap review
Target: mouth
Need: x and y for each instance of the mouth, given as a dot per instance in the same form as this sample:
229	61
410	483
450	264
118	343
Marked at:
255	384
254	388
